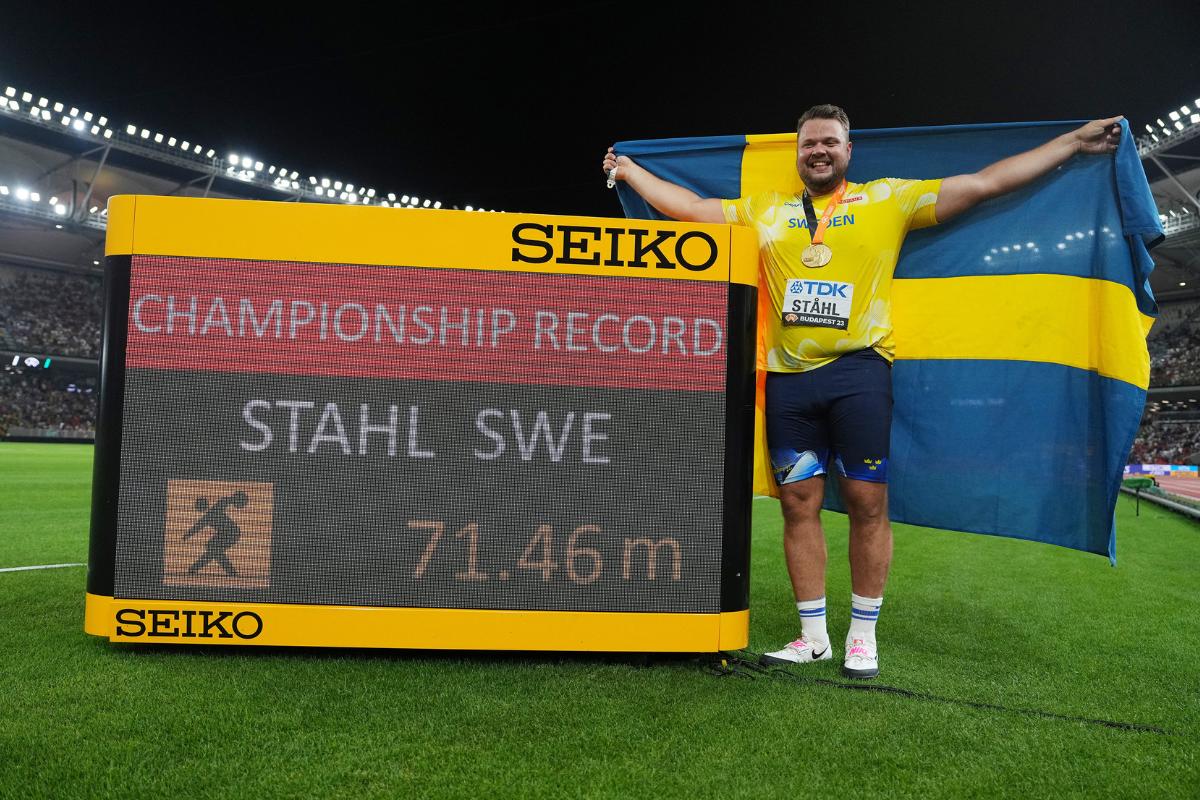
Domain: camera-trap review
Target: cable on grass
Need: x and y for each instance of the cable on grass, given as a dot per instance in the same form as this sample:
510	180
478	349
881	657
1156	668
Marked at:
739	666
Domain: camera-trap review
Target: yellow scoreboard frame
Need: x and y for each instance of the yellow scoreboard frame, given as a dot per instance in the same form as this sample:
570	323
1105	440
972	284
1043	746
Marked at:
349	235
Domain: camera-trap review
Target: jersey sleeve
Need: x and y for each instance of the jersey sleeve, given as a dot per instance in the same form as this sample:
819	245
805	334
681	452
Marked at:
917	200
745	210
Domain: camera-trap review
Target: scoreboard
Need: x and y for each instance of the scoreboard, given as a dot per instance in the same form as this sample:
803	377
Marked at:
372	427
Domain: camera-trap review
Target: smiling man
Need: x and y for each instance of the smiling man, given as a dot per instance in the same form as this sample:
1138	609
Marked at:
828	255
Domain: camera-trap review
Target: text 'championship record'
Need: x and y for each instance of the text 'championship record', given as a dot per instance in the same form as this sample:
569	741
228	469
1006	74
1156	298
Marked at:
327	425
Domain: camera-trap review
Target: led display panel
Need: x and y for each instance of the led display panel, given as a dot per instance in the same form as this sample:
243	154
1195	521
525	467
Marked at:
422	429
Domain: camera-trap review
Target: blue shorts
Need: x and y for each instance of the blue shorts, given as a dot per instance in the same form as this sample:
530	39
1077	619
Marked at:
840	411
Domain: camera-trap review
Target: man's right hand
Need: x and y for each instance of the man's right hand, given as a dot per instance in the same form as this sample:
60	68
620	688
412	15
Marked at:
674	201
620	163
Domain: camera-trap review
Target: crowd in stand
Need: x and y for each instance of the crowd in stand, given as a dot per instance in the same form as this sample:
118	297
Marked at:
1174	345
50	313
1165	442
49	404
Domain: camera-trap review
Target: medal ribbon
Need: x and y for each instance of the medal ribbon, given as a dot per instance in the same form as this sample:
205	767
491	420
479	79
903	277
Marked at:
816	231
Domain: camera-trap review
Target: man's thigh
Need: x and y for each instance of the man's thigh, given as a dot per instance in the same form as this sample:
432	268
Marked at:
860	418
797	430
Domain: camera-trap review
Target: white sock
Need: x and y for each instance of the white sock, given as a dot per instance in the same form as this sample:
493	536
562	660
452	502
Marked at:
864	611
812	620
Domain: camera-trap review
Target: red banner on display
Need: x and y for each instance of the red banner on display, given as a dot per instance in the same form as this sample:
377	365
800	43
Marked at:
425	324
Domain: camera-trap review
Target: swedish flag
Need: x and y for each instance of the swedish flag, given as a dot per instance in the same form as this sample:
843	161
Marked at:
1021	365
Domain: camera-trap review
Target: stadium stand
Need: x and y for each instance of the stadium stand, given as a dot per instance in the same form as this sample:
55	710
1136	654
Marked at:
47	404
50	312
1174	345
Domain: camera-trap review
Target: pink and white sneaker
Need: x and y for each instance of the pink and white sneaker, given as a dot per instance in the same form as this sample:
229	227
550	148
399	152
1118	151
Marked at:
801	651
862	659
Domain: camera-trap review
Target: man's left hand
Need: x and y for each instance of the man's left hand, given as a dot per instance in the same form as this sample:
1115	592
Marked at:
1100	136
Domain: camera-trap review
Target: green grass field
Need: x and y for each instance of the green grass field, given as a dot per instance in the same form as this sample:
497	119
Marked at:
1008	657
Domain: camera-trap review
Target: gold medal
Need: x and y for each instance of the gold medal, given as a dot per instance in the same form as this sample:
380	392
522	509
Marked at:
816	255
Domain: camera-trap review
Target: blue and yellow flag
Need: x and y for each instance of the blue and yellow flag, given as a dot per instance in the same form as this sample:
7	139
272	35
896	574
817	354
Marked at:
1021	365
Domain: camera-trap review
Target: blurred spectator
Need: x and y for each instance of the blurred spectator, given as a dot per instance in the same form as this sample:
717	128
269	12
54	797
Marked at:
50	312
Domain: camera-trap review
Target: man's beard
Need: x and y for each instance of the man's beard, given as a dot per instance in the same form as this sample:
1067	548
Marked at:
823	185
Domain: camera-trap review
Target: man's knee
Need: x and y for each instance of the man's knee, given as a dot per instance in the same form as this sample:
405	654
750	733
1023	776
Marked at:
801	501
866	502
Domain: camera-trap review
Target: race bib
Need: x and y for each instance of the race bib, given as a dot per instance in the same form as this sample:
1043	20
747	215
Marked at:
822	304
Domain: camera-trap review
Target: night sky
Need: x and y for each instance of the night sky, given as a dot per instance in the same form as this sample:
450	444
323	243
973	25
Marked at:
512	107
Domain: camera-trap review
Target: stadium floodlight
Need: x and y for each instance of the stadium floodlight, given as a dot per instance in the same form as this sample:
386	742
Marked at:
258	165
352	197
107	133
471	209
1161	124
1061	246
54	200
87	116
10	92
102	121
1178	126
233	159
320	192
325	182
65	120
337	184
1184	283
312	179
295	184
95	131
60	209
131	130
295	175
438	204
145	133
391	197
79	125
1155	138
209	154
1194	119
95	262
58	107
425	204
171	142
22	193
46	114
271	170
185	145
16	360
415	200
35	197
33	112
247	162
44	103
4	190
370	192
93	210
1149	129
26	97
1174	115
14	105
404	199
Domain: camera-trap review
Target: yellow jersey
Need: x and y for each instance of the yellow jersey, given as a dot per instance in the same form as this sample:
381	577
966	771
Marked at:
822	313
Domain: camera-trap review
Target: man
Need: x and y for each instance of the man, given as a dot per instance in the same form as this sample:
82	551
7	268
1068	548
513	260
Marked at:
828	255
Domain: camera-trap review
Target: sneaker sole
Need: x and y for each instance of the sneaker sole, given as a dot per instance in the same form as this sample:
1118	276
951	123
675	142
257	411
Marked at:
766	659
860	674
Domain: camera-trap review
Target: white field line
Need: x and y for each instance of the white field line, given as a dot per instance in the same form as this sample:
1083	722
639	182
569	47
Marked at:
40	566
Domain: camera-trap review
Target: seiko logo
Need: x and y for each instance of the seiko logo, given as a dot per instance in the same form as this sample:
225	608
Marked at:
169	623
586	246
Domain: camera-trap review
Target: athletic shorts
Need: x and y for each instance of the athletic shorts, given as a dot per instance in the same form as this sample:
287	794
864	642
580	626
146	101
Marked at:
841	411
